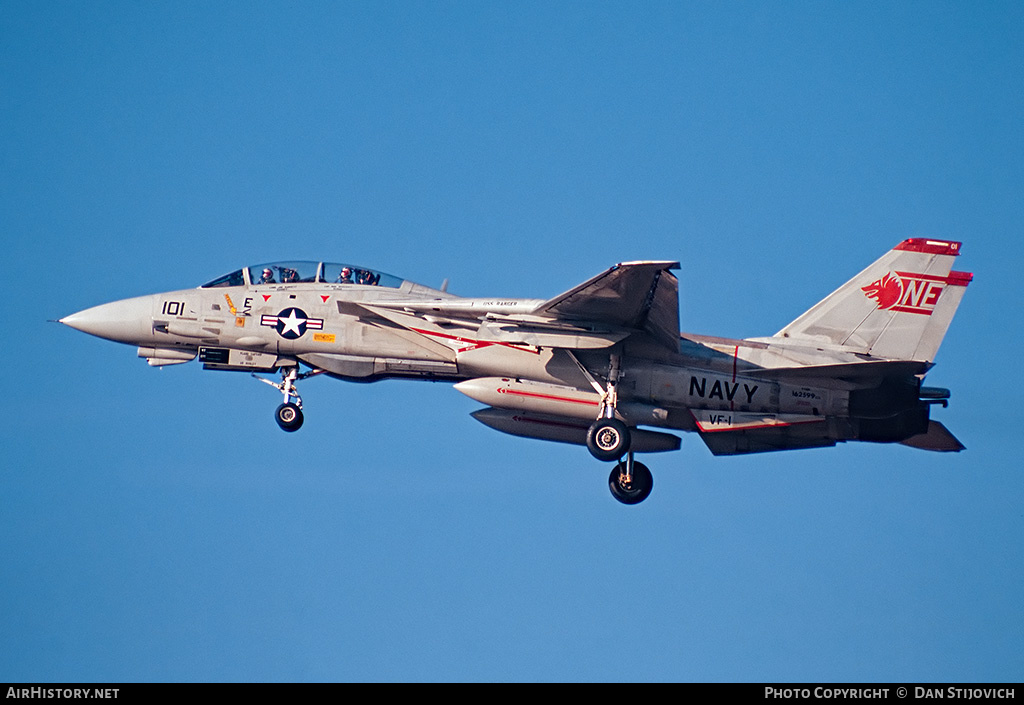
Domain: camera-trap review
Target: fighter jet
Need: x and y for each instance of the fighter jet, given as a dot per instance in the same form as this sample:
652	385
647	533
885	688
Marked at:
602	365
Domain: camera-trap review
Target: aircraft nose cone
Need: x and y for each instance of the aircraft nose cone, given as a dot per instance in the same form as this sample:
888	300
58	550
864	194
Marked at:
126	321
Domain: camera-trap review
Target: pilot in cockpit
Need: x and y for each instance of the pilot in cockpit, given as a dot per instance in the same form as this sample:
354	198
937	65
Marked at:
346	276
267	277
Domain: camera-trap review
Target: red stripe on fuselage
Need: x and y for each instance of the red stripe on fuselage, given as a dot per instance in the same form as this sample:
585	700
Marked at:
551	397
756	427
473	343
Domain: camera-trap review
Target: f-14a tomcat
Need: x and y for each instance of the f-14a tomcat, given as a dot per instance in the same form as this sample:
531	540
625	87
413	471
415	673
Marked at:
600	365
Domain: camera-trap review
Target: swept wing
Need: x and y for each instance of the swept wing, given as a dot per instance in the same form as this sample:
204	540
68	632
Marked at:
626	298
632	295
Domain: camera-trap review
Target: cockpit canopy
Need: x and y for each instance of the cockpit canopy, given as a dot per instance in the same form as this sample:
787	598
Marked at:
308	272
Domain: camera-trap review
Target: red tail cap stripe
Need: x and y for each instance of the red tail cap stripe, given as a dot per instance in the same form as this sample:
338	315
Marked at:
959	278
931	247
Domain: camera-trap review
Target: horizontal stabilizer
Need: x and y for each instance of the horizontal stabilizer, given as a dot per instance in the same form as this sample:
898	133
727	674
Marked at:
876	369
938	438
771	437
723	421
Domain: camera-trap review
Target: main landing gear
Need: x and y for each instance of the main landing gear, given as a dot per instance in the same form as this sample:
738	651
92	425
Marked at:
608	439
630	481
289	414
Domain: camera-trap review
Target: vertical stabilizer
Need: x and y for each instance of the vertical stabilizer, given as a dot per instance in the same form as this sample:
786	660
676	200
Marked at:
942	316
898	308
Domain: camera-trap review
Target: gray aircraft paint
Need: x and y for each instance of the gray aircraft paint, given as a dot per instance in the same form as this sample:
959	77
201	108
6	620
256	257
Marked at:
850	368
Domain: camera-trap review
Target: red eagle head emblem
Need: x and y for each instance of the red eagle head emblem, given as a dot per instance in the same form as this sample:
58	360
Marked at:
886	291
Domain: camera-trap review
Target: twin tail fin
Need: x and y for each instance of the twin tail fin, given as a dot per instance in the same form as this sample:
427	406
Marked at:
898	308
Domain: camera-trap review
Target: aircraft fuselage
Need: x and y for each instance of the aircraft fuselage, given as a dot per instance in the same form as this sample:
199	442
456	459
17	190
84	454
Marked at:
848	369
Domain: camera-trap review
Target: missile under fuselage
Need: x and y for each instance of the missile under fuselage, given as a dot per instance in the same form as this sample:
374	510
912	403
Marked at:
566	430
554	400
558	413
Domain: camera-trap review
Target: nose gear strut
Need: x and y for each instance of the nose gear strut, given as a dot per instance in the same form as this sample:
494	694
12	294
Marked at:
289	414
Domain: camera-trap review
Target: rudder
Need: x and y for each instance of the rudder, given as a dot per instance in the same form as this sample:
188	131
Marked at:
897	308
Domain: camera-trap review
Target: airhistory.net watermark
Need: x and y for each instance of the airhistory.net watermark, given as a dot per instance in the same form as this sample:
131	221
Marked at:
62	693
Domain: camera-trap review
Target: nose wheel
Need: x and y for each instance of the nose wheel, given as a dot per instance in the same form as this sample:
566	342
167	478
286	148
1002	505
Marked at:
289	414
289	417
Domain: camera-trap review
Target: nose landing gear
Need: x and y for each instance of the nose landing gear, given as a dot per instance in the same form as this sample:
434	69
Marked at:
289	414
289	417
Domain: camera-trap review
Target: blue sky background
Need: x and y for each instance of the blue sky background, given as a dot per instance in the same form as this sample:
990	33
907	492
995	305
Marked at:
156	525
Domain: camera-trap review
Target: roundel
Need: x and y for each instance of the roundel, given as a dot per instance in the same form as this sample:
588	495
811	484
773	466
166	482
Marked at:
291	323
